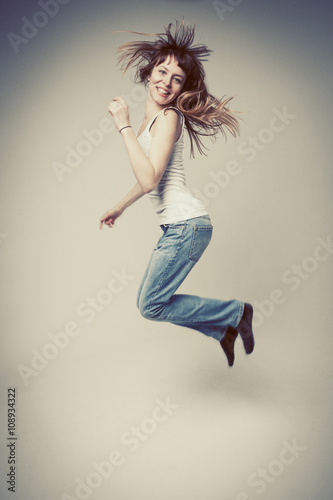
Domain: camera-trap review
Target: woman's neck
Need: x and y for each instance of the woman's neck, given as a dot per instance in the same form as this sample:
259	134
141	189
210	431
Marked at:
151	108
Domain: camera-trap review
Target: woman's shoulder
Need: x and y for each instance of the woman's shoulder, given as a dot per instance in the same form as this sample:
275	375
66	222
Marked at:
171	116
168	121
174	111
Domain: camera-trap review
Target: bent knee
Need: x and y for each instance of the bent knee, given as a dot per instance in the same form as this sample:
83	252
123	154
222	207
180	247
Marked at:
149	312
145	312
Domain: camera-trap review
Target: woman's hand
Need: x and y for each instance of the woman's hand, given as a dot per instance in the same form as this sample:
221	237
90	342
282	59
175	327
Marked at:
109	217
119	111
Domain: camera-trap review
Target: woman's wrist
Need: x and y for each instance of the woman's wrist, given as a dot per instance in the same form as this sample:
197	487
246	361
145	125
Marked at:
124	127
120	207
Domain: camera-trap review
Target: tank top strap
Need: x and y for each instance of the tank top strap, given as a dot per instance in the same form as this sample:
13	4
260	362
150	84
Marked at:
152	121
168	107
179	113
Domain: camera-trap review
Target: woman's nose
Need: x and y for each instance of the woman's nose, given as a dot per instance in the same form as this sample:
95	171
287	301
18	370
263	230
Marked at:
167	81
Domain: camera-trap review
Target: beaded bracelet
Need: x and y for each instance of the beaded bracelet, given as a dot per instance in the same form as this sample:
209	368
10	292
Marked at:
127	126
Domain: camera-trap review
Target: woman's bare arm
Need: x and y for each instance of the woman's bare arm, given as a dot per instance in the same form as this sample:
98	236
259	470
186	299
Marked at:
147	170
111	215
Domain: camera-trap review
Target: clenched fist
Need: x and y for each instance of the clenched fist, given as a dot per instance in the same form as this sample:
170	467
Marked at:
119	111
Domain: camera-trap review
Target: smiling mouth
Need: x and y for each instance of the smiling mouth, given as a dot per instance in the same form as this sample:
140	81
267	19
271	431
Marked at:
162	92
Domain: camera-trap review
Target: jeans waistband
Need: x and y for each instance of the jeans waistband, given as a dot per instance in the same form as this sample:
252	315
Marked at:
207	217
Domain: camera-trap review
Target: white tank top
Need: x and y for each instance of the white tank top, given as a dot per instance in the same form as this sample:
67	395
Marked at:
172	200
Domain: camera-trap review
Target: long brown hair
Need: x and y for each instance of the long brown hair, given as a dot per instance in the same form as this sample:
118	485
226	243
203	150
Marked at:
205	115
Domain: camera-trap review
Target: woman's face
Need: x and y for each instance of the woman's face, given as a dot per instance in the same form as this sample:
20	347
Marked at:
166	81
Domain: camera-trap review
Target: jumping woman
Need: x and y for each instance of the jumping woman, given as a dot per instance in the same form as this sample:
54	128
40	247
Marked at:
177	100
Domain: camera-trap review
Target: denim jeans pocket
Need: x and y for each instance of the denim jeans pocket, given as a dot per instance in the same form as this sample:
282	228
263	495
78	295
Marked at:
201	237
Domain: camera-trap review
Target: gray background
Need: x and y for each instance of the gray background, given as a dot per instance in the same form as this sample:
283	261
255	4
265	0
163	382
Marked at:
226	425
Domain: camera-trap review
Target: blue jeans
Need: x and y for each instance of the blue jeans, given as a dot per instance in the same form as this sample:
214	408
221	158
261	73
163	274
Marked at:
175	254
